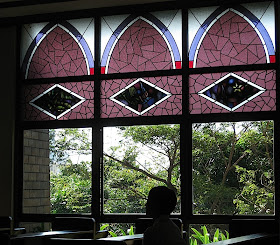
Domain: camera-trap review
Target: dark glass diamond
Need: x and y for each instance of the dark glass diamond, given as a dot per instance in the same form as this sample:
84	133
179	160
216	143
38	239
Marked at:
57	101
231	91
140	96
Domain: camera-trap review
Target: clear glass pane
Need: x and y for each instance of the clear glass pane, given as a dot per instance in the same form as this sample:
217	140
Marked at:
57	171
34	227
208	232
233	168
136	159
119	229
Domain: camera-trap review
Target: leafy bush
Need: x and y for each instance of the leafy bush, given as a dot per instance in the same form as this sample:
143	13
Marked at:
118	231
205	238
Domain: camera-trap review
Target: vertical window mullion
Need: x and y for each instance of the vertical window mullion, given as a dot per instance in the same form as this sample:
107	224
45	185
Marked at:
97	134
186	133
276	119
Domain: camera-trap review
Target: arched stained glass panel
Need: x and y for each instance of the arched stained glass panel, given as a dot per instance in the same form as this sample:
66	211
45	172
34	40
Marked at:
141	43
231	36
58	50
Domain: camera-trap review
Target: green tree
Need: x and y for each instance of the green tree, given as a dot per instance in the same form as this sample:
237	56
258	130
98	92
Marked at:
128	179
70	182
232	168
71	188
218	150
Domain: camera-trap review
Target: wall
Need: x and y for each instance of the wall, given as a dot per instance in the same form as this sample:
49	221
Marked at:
36	172
7	118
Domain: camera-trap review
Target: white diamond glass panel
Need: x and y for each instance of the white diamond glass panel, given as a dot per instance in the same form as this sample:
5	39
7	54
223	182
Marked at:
140	96
57	101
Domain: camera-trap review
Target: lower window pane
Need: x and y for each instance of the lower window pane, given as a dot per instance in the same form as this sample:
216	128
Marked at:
136	159
119	229
57	171
233	168
208	233
34	227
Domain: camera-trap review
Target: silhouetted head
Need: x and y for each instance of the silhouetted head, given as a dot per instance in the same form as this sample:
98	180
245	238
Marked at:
161	201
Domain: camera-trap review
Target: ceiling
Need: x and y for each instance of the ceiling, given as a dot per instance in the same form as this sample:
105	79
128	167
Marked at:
17	8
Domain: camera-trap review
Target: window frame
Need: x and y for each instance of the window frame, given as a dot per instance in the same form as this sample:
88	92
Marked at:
185	120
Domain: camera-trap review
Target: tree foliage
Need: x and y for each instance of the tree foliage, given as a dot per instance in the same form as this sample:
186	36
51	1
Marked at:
128	177
70	182
225	153
232	168
71	189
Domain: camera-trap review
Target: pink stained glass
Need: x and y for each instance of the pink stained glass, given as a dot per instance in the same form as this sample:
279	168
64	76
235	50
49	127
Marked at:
263	99
168	104
58	55
231	41
241	34
140	48
83	110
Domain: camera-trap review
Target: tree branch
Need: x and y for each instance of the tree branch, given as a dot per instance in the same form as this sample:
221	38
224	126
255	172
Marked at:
128	165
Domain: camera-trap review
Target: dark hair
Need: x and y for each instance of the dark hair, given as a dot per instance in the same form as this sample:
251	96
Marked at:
163	198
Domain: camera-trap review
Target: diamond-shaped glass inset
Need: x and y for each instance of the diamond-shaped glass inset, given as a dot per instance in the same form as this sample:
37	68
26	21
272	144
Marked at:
57	101
231	91
140	96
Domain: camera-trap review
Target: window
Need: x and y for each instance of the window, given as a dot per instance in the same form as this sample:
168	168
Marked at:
151	96
136	159
141	43
65	101
242	91
58	49
240	35
233	168
57	171
113	103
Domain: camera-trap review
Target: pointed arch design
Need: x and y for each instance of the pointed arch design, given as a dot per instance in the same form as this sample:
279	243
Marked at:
165	41
259	38
58	50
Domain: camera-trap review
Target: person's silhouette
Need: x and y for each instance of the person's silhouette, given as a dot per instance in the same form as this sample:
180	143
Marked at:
161	202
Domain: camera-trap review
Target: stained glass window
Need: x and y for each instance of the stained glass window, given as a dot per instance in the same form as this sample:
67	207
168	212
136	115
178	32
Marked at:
59	101
57	49
141	43
152	96
243	91
221	36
